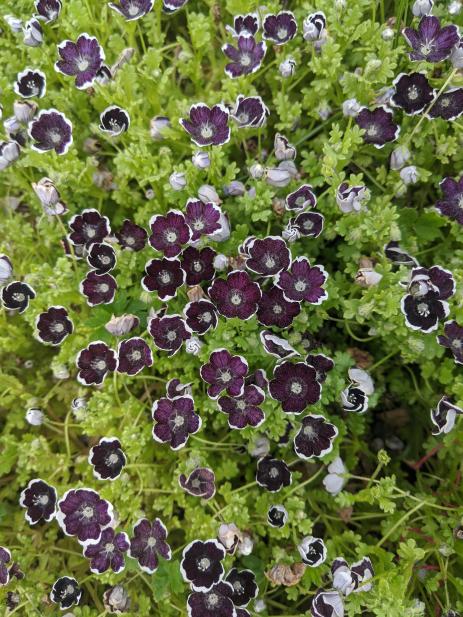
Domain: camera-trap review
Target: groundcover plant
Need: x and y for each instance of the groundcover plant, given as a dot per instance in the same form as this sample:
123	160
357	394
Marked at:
231	308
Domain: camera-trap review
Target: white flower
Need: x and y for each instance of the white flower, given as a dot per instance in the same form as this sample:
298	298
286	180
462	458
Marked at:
34	416
177	180
409	175
333	481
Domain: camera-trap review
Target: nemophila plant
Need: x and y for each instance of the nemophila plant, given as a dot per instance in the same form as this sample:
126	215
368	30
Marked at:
231	286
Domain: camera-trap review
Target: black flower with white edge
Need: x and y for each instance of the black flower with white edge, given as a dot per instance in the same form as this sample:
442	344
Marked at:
280	28
132	9
315	437
398	255
39	499
322	364
312	551
168	332
5	558
277	516
295	386
277	346
327	604
237	296
379	126
246	58
49	10
202	218
30	83
224	372
268	256
207	126
200	316
444	416
82	59
303	282
51	130
275	310
107	459
244	586
108	552
453	340
201	564
452	203
98	288
94	362
65	592
430	42
164	276
212	603
83	513
412	92
198	264
354	399
300	199
174	388
88	227
16	296
114	120
448	106
131	236
200	483
244	25
133	355
272	474
169	233
101	257
175	420
148	543
244	410
171	6
249	112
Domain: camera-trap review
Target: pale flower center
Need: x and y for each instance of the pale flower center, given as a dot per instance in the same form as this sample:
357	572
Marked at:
413	93
277	309
87	512
282	33
225	376
198	225
309	432
69	590
212	600
19	297
82	64
151	542
295	387
300	285
42	500
423	309
132	10
54	136
236	298
135	355
100	365
171	235
273	472
372	130
103	288
204	563
105	260
246	59
269	261
426	48
57	327
109	547
112	459
206	131
197	266
179	421
165	277
243	118
241	405
171	335
206	317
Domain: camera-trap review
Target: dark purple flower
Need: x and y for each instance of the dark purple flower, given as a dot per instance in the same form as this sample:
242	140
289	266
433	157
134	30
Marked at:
101	257
207	126
16	296
175	388
215	602
245	25
164	276
200	483
82	513
88	227
149	541
224	372
322	365
237	296
108	552
272	474
200	316
30	83
201	564
244	586
315	437
280	28
168	332
249	112
258	378
48	9
396	254
276	346
448	105
98	288
114	120
453	340
65	592
133	355
132	9
277	516
198	264
354	399
308	224
202	218
94	362
303	282
268	256
51	130
169	233
295	386
275	310
82	59
412	92
107	459
327	604
39	499
431	42
170	6
302	198
444	416
5	557
244	410
175	420
452	204
131	236
378	125
246	58
312	551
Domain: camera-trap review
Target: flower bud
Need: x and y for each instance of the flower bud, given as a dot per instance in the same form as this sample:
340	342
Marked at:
201	159
122	325
421	8
220	262
367	277
34	416
61	371
409	175
290	167
325	111
284	151
290	233
245	545
259	606
256	171
24	111
116	600
14	22
208	194
150	194
193	345
177	180
277	177
157	126
9	152
261	447
454	7
46	191
387	34
234	189
33	33
195	293
351	198
223	233
229	535
456	57
399	157
12	125
288	67
313	26
6	269
351	107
